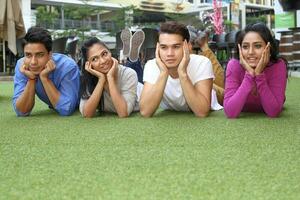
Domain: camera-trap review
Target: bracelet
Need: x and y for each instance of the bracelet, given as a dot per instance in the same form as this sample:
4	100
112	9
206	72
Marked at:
32	79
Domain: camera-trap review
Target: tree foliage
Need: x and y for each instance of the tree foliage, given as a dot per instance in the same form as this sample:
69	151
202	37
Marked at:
46	15
188	19
80	12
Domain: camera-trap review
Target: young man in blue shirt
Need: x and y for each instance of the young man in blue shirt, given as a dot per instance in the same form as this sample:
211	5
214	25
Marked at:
53	77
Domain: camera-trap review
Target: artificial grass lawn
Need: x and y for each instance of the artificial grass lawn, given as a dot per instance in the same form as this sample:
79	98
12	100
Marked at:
170	156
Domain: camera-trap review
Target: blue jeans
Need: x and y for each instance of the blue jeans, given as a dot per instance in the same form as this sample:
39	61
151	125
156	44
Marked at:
137	67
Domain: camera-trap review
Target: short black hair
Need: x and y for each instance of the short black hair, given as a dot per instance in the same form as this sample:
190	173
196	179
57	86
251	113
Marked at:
38	35
172	27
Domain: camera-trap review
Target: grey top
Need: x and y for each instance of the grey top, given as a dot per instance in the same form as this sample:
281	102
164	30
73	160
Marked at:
127	84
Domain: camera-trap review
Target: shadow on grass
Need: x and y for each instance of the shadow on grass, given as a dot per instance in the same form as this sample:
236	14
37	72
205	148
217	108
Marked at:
171	113
46	113
5	99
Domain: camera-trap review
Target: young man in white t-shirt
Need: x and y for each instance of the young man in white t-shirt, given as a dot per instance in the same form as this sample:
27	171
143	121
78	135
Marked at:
176	80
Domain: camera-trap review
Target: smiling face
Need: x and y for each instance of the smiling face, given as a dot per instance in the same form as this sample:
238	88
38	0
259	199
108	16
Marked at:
36	57
252	48
100	58
171	49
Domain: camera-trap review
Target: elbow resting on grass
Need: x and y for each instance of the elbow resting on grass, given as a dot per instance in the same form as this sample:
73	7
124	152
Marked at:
201	114
145	113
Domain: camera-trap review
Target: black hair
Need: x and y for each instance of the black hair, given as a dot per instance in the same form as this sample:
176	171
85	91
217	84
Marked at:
89	81
38	35
172	27
264	33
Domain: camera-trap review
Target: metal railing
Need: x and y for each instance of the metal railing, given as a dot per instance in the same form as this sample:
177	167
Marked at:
76	24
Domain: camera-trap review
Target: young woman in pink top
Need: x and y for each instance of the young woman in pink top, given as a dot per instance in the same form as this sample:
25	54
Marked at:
257	81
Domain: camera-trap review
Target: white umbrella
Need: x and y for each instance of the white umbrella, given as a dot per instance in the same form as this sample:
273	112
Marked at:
167	6
11	25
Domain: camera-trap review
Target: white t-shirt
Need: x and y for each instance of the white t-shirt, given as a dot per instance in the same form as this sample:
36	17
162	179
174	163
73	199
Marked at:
199	68
128	87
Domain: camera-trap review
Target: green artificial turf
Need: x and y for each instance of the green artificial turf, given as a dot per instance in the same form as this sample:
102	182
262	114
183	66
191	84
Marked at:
170	156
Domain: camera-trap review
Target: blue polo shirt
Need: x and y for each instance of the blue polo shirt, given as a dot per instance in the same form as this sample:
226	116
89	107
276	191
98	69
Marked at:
65	77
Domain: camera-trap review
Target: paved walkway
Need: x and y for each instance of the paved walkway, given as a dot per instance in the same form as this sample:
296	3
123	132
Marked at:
6	78
294	73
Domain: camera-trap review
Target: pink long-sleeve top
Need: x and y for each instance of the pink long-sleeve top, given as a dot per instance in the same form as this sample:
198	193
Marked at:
260	93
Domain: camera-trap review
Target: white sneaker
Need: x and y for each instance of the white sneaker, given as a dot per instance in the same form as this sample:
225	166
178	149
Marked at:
126	37
136	42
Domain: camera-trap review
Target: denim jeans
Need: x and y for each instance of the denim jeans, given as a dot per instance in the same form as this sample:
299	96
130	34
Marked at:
137	67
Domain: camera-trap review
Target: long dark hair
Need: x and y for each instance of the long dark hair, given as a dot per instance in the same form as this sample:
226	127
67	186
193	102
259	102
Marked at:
89	81
265	34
